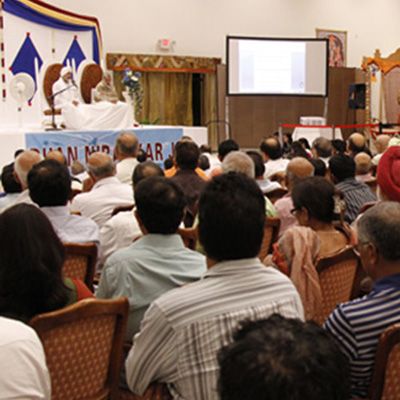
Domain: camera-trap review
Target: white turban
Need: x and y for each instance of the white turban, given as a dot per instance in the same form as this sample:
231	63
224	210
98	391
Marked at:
65	70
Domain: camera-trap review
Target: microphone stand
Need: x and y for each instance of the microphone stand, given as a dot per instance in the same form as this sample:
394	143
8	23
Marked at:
53	110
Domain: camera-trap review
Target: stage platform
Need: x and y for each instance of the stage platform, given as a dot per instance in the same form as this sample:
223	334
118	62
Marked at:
157	141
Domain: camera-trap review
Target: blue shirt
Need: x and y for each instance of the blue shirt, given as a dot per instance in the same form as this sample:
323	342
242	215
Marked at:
149	267
357	325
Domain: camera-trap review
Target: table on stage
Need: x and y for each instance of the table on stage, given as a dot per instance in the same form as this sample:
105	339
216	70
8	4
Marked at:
311	133
102	115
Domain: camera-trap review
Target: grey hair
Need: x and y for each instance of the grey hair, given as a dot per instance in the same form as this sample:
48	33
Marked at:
380	225
238	161
102	171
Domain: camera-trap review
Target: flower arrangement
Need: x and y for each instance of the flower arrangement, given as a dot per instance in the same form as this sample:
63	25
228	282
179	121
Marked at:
131	81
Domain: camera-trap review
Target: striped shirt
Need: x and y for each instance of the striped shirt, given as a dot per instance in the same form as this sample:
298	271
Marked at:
356	194
358	324
183	330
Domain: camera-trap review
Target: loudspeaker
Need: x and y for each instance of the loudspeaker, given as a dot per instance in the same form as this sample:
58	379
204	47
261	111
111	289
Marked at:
357	96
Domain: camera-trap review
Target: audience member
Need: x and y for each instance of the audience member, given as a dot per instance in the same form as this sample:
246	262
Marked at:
205	150
322	149
298	150
240	162
204	162
125	151
358	324
224	148
11	187
49	184
187	158
338	146
107	192
272	153
158	261
265	185
319	167
183	330
23	164
298	249
356	194
31	260
56	155
25	375
363	167
297	169
356	143
122	229
141	156
306	145
388	176
169	173
282	359
168	163
381	144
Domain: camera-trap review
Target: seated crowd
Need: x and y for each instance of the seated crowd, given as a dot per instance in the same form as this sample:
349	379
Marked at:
207	317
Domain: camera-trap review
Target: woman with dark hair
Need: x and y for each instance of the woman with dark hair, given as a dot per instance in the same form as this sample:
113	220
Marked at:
31	260
297	150
318	235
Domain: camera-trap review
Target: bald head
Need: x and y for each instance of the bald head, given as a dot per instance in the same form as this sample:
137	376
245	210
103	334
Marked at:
297	169
127	145
322	148
24	163
363	163
271	149
356	143
57	156
100	165
381	143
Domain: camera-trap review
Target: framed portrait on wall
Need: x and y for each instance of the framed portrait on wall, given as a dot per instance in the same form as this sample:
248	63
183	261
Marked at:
337	46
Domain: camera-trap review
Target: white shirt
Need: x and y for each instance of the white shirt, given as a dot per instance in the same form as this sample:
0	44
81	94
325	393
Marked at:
22	197
71	228
8	200
125	169
183	329
66	97
274	166
24	373
99	203
118	232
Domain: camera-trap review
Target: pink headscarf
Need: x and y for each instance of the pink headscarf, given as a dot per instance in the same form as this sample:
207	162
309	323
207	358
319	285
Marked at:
300	247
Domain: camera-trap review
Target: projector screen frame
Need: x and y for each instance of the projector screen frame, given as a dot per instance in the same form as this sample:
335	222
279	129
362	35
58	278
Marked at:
228	94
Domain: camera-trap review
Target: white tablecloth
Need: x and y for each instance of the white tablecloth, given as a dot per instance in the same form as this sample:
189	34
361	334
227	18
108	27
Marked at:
312	133
102	115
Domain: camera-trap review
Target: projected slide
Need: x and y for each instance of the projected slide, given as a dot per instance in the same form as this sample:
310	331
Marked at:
265	66
272	67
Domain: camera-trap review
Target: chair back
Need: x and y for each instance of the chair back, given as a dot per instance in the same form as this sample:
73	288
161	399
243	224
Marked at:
83	347
80	262
373	184
337	275
189	237
385	379
51	75
91	76
271	231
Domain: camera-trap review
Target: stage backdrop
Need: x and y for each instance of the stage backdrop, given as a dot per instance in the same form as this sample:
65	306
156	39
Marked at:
35	35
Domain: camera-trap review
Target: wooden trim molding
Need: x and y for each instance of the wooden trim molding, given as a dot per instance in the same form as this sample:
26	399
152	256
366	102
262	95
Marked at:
161	63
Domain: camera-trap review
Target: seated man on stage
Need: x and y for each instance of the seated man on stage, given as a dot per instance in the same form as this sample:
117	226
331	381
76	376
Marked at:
64	90
105	90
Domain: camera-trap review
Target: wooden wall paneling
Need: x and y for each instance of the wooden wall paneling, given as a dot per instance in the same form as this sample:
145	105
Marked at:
255	117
